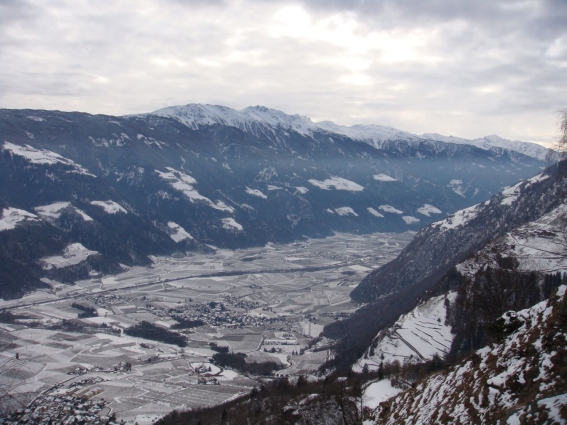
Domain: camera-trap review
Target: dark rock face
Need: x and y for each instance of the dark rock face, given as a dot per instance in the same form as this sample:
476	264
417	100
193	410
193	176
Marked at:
145	183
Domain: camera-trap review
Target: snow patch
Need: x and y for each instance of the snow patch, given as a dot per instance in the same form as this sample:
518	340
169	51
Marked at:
428	209
178	233
184	183
377	392
511	194
458	219
44	157
410	219
338	183
11	217
384	178
302	190
73	254
346	211
109	207
374	212
256	192
390	209
457	187
230	224
53	211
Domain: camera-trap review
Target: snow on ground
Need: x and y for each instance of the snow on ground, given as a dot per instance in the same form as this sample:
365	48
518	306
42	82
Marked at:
390	209
511	194
377	392
184	183
410	219
458	219
374	212
72	254
178	233
53	211
538	178
272	187
230	223
495	381
428	209
256	192
302	190
338	183
457	187
416	336
346	211
109	207
554	405
11	217
384	178
45	157
538	246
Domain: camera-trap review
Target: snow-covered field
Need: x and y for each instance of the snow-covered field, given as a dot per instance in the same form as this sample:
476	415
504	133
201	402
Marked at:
73	254
170	381
416	336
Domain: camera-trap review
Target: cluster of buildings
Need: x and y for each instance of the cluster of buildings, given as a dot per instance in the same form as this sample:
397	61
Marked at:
77	404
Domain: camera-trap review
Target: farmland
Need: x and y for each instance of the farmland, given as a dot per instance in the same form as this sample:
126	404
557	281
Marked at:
268	303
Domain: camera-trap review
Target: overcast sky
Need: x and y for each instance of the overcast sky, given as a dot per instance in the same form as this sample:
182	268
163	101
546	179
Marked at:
467	68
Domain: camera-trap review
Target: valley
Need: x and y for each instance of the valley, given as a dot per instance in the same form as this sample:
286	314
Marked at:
268	303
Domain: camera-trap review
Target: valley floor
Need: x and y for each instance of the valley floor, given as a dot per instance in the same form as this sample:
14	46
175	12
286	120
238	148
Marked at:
265	302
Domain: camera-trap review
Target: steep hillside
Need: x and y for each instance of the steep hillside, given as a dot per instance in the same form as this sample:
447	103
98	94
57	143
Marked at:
522	379
440	246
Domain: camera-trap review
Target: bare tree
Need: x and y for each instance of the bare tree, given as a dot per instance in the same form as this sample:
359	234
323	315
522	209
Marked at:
561	145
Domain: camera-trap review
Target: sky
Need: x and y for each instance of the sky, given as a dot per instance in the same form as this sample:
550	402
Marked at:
455	67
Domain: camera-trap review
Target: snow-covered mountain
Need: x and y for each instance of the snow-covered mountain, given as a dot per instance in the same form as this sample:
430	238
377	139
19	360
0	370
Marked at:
493	142
189	177
441	245
260	120
514	270
257	120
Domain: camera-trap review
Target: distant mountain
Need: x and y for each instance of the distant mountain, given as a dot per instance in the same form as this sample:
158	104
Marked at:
496	143
84	195
261	121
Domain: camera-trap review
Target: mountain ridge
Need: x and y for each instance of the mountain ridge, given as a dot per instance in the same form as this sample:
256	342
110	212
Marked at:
186	188
253	118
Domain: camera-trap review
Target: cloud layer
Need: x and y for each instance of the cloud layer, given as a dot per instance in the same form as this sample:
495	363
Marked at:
452	67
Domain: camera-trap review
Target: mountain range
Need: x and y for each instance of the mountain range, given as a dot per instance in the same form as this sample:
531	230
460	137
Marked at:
111	191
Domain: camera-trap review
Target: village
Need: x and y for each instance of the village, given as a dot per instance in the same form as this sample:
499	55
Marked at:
80	363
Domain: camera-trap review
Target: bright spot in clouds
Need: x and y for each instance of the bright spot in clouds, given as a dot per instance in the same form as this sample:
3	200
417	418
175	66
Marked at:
446	67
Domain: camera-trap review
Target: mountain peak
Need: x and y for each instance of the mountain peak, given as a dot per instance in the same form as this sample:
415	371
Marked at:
255	119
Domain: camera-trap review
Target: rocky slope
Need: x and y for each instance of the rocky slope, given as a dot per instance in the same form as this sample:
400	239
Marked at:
521	379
